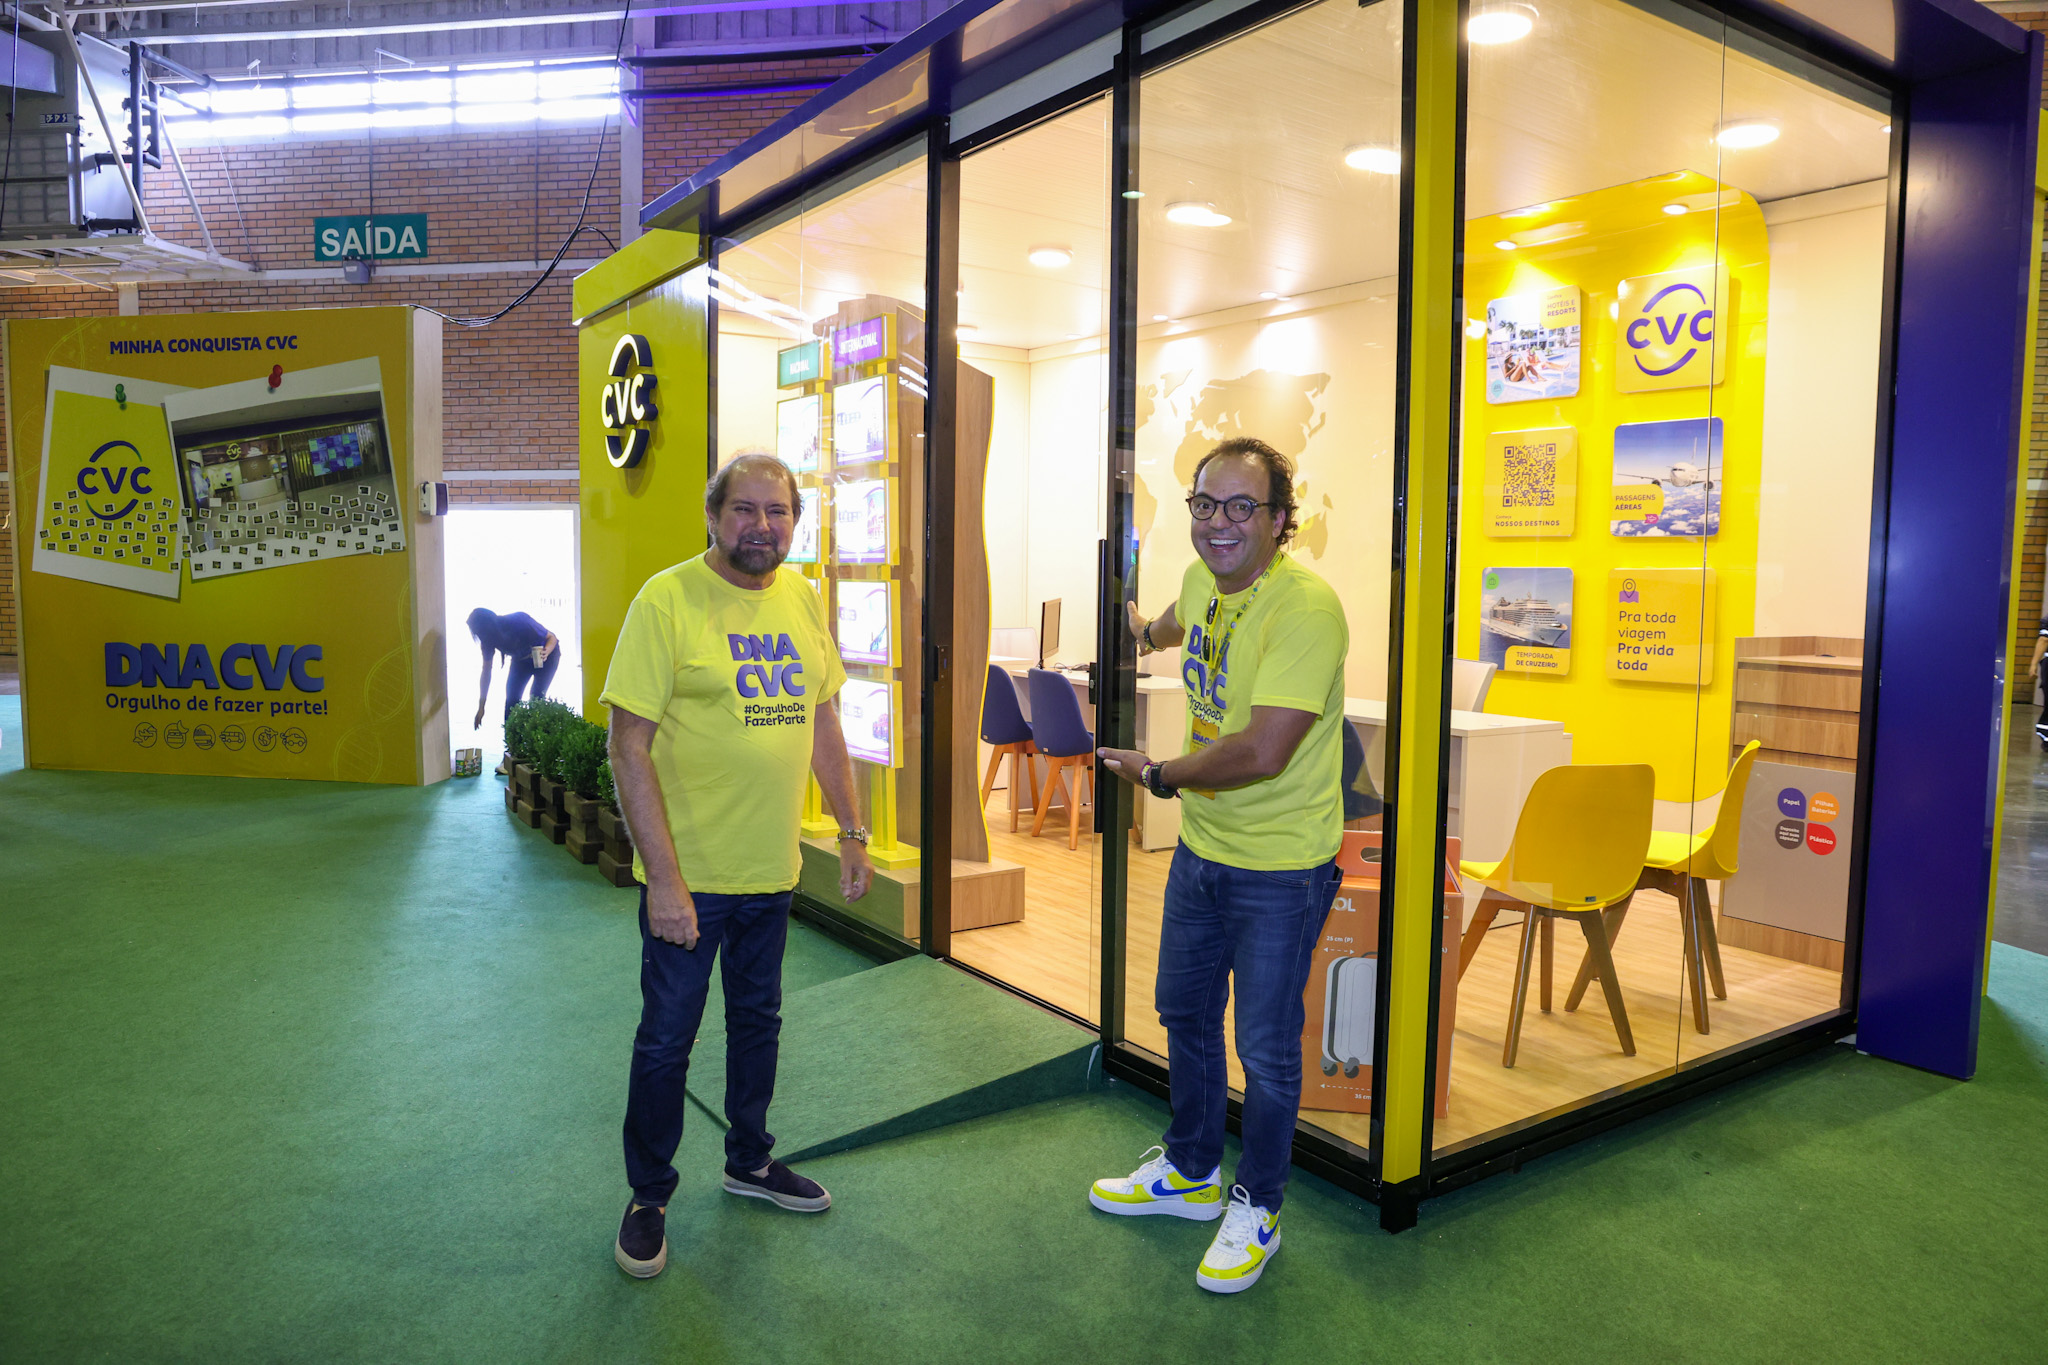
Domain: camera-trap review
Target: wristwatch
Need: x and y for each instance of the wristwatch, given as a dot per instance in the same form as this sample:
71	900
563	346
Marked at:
859	836
1152	777
1145	636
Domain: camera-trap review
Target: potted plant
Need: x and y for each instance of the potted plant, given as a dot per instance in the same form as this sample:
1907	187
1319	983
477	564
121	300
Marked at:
615	863
553	723
579	757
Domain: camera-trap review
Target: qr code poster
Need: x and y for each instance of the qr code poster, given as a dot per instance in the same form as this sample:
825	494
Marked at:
1525	620
1532	346
1667	478
1532	482
109	509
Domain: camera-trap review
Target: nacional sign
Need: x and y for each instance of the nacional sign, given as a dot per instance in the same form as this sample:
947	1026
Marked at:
625	406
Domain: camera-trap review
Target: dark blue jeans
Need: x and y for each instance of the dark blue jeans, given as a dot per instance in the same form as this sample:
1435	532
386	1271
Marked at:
746	934
1260	928
519	670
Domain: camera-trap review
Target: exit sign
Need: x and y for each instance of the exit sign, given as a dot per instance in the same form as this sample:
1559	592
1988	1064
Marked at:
367	237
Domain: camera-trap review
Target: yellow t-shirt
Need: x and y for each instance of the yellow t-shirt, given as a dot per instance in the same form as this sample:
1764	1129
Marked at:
1287	649
731	677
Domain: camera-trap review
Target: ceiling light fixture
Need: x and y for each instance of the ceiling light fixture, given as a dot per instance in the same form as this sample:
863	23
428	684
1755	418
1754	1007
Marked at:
1160	317
1506	24
1505	245
1367	157
1887	130
966	330
1747	133
1675	210
1050	257
1189	213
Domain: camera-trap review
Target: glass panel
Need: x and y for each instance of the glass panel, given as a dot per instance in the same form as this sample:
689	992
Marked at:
1034	297
821	362
1663	545
1267	296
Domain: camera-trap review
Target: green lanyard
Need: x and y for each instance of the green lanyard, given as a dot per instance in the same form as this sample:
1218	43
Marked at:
1213	654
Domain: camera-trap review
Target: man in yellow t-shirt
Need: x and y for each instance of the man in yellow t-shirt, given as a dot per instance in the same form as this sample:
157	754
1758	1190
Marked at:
1262	816
721	689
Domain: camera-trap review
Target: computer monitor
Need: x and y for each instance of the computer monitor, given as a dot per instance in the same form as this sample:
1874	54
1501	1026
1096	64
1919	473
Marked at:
1048	630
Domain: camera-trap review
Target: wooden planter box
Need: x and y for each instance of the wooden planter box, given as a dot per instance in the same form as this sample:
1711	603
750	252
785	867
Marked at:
511	800
528	813
552	825
522	781
583	840
615	871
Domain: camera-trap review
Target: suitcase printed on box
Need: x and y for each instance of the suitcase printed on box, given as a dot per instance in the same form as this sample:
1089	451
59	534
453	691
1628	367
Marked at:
1348	997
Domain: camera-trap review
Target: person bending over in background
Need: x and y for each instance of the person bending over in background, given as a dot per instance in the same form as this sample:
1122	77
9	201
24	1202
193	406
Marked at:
532	649
1255	872
721	693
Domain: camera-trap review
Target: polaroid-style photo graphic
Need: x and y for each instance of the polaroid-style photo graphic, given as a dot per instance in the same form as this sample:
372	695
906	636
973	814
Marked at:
109	483
800	431
867	622
1525	620
263	467
860	420
860	523
1667	478
807	542
867	714
1532	346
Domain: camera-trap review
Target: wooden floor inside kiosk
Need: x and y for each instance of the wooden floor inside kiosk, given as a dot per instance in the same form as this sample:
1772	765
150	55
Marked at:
1054	953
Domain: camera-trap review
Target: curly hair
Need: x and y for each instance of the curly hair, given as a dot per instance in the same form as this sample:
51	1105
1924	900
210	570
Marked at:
1279	476
749	462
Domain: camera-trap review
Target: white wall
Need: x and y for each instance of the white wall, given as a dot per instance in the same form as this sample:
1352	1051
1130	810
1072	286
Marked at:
1820	411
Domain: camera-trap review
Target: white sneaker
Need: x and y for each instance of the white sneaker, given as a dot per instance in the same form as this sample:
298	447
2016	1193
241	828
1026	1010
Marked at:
1156	1187
1247	1241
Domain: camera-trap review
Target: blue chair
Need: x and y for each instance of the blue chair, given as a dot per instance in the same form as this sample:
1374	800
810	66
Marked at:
1058	732
1360	799
1003	725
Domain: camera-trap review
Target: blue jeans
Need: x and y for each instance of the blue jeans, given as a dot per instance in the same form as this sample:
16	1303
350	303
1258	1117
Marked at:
519	670
1261	928
747	934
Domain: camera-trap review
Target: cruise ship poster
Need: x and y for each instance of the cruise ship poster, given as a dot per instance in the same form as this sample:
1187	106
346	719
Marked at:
1525	620
1667	478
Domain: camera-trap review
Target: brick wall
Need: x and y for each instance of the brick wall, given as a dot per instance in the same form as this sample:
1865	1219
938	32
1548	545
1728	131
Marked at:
2033	531
503	195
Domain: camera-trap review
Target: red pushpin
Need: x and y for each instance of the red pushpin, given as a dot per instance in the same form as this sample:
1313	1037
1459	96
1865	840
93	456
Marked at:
276	375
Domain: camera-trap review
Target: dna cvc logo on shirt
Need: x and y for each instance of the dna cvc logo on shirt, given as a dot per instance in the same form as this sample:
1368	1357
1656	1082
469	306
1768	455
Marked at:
243	694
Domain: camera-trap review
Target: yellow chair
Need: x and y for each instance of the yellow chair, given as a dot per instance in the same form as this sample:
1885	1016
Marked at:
1680	865
1578	848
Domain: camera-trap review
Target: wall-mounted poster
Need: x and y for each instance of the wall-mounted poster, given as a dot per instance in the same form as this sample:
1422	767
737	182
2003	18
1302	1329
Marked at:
1525	620
807	541
864	342
867	714
1667	478
1665	328
1532	482
867	622
1532	346
1662	625
860	523
860	420
800	431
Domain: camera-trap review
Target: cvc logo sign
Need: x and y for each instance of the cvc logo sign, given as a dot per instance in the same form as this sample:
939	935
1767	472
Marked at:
1667	329
625	407
111	479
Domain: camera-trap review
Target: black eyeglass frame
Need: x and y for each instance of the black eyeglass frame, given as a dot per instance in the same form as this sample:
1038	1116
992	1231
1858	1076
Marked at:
1251	505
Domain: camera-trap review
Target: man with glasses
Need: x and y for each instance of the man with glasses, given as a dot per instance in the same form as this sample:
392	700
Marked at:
1262	815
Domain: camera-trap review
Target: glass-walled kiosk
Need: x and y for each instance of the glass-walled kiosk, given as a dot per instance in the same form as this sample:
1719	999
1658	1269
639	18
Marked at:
1580	325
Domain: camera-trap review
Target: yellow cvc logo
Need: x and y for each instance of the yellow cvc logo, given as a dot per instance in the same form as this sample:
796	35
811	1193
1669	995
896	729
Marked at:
1669	330
625	406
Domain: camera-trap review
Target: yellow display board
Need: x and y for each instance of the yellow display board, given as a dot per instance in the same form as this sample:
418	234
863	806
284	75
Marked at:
224	572
1655	386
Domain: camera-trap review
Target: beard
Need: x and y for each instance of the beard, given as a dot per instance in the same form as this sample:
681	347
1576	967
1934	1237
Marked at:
753	557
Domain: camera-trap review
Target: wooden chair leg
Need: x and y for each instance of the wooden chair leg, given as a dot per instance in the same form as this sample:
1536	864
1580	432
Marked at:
1053	769
1018	760
1081	766
1695	964
988	779
1709	938
1610	985
1031	768
1520	1001
1475	933
1612	917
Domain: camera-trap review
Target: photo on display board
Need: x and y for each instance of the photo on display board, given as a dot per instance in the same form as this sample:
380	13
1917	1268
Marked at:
1667	478
282	476
800	431
1532	346
860	523
860	420
806	541
867	619
1525	620
109	509
867	713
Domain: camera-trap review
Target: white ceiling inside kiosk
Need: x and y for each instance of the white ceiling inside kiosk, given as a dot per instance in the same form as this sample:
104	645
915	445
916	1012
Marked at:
1599	93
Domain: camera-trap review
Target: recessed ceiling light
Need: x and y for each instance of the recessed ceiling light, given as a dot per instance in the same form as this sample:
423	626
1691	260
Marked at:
1134	194
1887	130
1073	336
1189	213
1503	25
1365	157
1050	257
1674	209
966	330
1505	245
1746	134
1268	294
1475	328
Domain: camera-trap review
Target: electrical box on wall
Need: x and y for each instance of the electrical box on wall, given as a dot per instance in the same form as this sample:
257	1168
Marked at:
433	499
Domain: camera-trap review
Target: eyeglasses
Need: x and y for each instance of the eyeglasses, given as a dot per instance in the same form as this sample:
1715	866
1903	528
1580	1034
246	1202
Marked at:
1202	507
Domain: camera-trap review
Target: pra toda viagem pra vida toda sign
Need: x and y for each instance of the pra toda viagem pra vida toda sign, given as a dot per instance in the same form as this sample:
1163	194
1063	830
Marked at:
625	405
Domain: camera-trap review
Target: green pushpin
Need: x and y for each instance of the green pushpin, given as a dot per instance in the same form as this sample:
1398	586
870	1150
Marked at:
121	396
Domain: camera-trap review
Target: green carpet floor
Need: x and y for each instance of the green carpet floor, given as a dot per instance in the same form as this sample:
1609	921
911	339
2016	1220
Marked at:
308	1072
